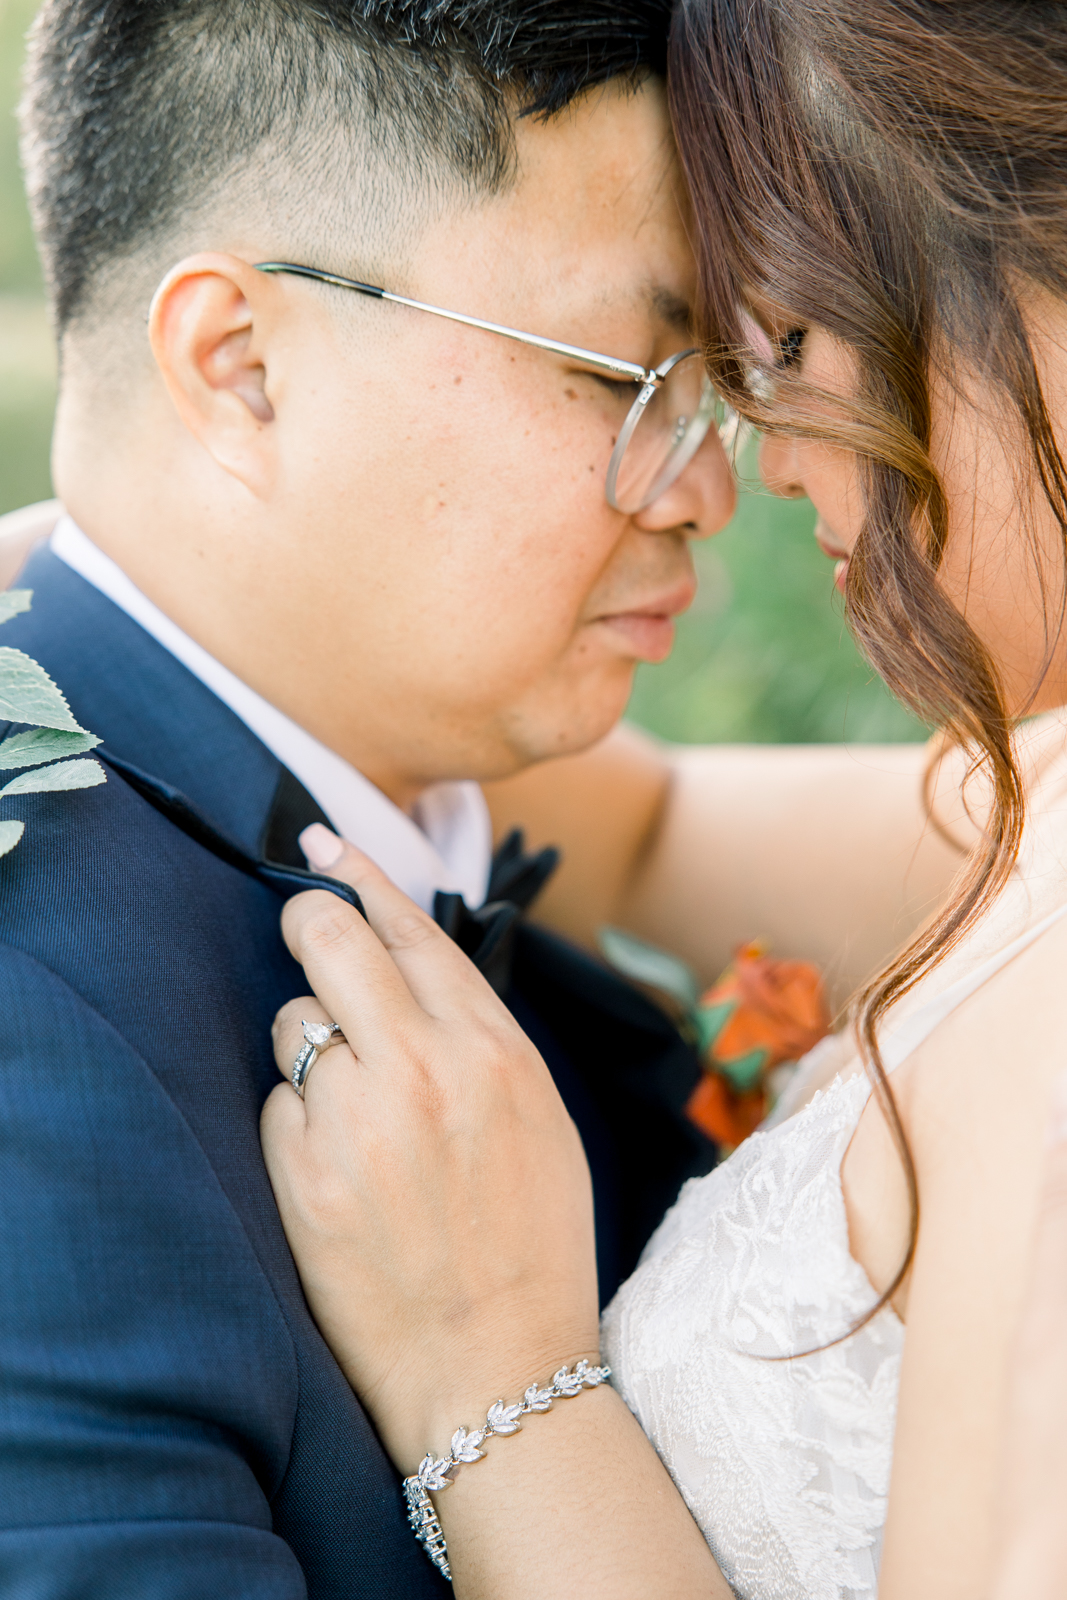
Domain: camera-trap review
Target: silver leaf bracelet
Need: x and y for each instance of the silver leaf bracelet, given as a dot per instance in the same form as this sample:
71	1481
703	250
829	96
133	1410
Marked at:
435	1472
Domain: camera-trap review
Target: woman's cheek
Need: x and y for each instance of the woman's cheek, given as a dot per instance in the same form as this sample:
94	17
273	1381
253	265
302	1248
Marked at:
831	480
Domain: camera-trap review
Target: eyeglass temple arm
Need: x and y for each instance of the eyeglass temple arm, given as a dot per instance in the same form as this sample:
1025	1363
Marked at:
589	358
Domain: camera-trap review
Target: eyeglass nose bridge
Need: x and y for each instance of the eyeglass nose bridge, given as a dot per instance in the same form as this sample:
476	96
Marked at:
665	368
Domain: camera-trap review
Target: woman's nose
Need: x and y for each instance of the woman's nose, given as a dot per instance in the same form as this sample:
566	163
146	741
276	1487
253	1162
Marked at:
701	500
779	466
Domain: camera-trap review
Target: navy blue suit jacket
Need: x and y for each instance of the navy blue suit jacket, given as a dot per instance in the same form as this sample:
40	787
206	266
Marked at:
171	1422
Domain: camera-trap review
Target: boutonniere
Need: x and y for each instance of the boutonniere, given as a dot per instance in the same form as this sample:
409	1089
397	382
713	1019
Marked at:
40	754
750	1028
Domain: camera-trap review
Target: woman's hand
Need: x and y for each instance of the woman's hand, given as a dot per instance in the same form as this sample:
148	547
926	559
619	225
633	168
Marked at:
437	1200
431	1184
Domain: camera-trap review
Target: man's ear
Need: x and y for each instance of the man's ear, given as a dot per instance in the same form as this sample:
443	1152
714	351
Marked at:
208	327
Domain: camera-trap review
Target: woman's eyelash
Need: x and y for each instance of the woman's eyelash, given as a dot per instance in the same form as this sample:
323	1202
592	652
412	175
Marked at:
791	345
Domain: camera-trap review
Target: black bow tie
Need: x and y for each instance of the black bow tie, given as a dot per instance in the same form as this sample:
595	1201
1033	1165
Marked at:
486	935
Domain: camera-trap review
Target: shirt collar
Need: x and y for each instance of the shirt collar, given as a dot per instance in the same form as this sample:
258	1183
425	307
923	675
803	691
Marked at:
447	844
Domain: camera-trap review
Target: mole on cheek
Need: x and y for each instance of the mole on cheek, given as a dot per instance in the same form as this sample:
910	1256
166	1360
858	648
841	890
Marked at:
571	394
458	378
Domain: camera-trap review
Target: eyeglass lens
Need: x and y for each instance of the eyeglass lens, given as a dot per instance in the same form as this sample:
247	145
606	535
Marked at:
663	432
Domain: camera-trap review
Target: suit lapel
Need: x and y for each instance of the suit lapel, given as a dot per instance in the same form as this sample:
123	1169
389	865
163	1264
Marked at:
193	969
149	709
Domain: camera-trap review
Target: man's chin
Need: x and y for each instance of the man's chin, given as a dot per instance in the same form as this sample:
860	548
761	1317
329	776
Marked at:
576	728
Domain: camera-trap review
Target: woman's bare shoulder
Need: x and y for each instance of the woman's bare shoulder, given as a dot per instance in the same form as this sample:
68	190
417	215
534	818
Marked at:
973	1101
992	1061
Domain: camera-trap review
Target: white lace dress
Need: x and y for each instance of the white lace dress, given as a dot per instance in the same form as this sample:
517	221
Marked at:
785	1463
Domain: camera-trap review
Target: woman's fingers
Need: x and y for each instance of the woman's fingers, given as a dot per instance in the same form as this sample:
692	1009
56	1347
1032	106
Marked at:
404	995
432	1186
287	1029
357	983
436	972
289	1039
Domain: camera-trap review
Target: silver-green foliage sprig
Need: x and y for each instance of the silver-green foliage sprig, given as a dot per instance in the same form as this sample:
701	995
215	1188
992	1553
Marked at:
28	695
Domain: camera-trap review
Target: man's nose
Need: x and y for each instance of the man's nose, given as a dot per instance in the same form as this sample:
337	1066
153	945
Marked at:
700	501
779	467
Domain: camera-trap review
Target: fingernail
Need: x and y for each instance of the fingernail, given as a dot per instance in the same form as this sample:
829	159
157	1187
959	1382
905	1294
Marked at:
1056	1128
321	847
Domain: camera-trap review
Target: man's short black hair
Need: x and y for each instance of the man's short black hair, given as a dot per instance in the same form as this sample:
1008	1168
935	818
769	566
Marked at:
140	115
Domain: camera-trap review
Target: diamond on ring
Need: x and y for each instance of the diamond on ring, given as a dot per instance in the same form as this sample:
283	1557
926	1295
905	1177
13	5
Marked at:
318	1036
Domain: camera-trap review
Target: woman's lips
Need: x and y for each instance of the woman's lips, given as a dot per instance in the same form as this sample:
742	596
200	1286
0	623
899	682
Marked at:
833	552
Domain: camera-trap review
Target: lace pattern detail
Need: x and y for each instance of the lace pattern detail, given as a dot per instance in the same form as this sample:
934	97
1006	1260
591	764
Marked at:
784	1464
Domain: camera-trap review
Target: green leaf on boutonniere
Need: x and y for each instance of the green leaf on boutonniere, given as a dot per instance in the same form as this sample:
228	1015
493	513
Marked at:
10	834
27	694
13	602
64	775
41	745
648	964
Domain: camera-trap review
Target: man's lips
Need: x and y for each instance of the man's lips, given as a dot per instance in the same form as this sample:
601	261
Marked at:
648	628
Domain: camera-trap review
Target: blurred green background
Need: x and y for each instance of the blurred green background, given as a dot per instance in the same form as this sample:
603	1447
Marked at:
762	656
27	368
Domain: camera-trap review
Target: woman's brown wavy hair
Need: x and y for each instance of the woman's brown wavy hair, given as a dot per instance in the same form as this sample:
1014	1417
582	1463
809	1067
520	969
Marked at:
894	172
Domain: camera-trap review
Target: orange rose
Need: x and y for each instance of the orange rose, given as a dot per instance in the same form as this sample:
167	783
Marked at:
760	1013
722	1113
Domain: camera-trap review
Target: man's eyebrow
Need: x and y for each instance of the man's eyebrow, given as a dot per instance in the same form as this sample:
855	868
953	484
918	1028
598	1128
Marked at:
671	308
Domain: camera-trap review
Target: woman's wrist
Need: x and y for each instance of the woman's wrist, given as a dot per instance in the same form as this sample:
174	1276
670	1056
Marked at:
503	1419
423	1415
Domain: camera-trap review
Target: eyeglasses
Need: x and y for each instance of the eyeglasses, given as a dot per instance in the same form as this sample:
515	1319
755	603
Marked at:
665	426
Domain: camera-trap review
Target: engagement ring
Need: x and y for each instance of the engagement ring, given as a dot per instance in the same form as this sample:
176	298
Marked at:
318	1036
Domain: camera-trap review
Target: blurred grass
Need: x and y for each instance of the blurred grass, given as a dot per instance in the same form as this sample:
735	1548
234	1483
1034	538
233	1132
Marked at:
27	366
763	656
19	271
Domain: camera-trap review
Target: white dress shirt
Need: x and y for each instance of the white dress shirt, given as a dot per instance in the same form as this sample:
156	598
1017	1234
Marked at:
445	844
